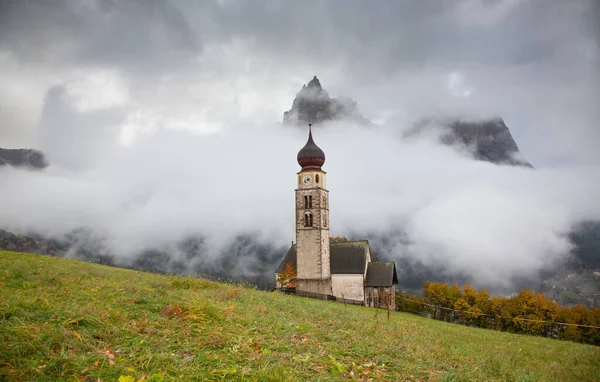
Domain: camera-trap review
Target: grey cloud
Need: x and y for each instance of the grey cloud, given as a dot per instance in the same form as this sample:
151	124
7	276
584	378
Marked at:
361	35
485	223
72	139
533	62
397	34
138	35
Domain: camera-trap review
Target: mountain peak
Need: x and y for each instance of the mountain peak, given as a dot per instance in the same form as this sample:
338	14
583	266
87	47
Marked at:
313	104
488	140
314	83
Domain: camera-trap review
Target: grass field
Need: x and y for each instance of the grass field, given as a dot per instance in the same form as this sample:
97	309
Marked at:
69	320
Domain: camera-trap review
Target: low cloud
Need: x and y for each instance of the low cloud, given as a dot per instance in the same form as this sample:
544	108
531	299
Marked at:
432	203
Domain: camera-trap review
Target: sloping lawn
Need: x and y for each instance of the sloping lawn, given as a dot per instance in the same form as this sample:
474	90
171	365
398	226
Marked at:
69	320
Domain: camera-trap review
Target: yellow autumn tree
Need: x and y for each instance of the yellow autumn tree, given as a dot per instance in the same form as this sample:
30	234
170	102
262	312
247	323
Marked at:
287	278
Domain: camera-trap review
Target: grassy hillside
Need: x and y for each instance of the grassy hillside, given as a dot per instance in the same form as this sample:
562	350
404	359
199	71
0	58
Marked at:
68	320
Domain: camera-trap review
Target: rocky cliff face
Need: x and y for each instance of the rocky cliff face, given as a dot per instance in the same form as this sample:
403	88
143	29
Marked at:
313	104
22	158
488	140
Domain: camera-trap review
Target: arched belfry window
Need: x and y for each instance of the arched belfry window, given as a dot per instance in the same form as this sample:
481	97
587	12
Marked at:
308	220
310	201
317	178
306	201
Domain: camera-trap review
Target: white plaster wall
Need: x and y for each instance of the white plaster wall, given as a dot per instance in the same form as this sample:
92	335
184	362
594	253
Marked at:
351	286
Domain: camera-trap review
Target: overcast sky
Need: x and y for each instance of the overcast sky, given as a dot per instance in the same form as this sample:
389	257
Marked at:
161	119
206	66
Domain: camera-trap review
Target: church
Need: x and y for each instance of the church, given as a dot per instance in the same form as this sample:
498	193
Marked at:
337	269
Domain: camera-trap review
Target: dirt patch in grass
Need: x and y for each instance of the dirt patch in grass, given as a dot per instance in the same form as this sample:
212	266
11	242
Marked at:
232	293
174	310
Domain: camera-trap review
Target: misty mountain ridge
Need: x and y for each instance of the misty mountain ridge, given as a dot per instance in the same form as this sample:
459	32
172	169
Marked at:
487	140
23	158
246	258
243	258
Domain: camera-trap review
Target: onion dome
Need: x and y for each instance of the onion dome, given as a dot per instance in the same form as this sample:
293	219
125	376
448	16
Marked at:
311	156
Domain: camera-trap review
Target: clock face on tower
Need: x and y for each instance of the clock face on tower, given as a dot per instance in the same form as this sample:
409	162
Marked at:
306	179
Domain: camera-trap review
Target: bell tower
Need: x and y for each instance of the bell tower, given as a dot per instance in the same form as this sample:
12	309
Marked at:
312	221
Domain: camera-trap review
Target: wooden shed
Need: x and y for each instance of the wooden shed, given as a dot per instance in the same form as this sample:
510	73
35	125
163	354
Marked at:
380	289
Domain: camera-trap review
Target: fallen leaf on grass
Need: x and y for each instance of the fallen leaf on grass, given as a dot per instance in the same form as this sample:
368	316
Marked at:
110	355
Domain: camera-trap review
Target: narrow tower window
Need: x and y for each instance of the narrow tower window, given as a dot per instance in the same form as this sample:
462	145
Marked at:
310	220
310	201
317	178
305	201
306	220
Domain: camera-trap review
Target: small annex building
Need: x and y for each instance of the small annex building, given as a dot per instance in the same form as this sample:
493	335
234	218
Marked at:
322	267
355	277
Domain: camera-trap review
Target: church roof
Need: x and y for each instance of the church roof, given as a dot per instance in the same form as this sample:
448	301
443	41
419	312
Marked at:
290	257
348	257
381	275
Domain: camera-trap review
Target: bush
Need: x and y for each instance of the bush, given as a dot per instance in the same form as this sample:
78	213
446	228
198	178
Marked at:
527	312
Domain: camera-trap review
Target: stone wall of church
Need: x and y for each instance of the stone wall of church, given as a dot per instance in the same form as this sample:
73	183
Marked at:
313	259
348	287
312	243
321	288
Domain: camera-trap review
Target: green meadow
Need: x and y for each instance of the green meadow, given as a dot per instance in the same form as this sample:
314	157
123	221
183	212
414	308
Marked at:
66	320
